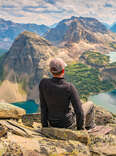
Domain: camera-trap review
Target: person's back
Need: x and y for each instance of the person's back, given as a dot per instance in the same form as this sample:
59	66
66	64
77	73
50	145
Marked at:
56	98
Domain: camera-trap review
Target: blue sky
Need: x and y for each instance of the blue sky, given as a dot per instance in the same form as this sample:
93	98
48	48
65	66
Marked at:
52	11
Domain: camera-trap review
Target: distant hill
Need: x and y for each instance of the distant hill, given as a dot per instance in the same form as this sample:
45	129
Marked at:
10	30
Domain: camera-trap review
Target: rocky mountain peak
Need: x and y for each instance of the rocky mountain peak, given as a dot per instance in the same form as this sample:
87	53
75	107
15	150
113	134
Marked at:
31	37
27	51
88	23
93	24
76	29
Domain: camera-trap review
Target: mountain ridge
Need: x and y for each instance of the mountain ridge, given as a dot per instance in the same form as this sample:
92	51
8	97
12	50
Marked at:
79	34
10	30
77	23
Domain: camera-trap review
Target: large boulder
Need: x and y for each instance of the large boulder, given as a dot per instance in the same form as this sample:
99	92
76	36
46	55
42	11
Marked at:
102	116
9	111
29	141
66	134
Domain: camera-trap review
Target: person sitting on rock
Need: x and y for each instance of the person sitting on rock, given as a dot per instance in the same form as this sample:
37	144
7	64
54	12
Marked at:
60	103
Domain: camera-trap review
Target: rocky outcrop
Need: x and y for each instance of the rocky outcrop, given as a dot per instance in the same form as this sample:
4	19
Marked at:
20	139
103	145
66	134
103	117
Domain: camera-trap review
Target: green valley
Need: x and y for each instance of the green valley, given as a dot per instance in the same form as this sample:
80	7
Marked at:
95	58
87	78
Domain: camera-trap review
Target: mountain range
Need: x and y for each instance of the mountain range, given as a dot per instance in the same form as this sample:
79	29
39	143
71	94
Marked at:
10	30
78	34
56	32
75	29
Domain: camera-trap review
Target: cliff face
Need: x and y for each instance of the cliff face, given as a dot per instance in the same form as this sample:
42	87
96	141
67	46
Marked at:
25	64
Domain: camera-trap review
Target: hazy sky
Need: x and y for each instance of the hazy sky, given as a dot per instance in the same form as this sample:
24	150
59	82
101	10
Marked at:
52	11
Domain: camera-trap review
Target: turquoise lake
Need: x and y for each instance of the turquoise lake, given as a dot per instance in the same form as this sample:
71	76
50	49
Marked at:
30	106
108	99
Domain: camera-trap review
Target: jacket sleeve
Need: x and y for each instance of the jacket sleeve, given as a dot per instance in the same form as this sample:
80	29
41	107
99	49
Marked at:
77	105
43	106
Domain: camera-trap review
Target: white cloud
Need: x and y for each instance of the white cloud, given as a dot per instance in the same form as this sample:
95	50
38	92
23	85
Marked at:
51	11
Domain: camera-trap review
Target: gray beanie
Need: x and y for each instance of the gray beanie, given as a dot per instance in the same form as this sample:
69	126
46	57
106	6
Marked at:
57	65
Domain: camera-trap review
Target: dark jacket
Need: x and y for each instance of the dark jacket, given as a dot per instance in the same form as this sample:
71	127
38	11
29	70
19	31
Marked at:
56	100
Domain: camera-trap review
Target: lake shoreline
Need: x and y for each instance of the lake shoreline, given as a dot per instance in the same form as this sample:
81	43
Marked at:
106	100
